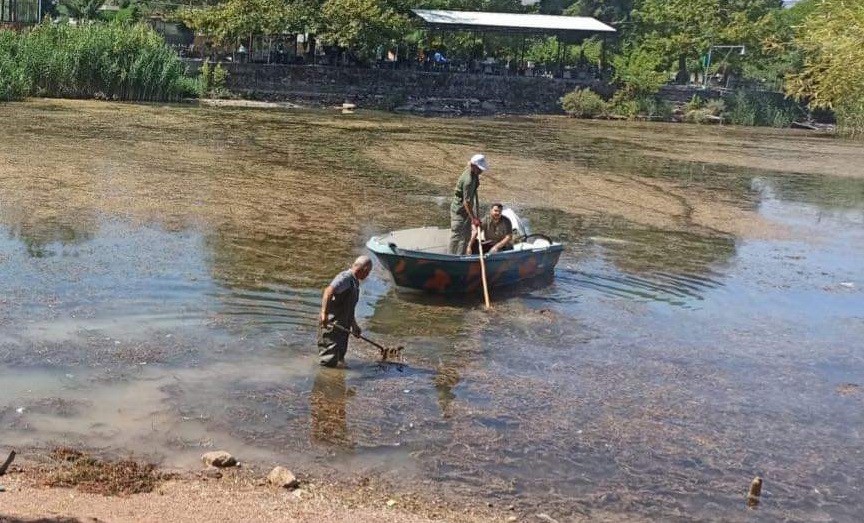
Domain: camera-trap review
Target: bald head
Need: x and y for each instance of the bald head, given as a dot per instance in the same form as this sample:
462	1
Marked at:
361	267
362	261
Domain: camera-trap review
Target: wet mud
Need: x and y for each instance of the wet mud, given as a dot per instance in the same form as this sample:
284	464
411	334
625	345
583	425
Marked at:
161	267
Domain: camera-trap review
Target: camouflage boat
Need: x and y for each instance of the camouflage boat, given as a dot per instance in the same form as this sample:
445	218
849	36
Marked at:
418	259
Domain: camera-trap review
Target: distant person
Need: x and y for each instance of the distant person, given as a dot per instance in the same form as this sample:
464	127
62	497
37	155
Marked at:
497	230
465	204
336	319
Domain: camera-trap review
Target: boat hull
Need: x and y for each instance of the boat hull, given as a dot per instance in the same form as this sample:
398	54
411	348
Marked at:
450	274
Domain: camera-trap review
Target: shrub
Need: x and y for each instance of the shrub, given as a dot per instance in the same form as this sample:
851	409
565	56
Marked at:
762	108
205	79
583	103
715	107
116	61
624	105
220	77
695	103
701	116
654	108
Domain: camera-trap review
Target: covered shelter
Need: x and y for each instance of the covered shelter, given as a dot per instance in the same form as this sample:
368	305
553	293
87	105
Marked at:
565	29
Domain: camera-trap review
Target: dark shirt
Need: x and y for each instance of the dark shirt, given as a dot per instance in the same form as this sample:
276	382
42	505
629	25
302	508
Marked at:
495	232
346	293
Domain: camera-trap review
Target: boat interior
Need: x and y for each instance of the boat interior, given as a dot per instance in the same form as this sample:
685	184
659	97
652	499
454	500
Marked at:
437	240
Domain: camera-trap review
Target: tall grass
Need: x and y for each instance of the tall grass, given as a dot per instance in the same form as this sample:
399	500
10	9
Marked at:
762	108
14	83
850	118
114	61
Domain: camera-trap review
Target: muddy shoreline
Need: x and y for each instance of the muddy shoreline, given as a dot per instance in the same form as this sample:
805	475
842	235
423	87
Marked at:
208	493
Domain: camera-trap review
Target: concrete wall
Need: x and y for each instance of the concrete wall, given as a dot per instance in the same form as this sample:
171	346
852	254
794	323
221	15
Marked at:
407	90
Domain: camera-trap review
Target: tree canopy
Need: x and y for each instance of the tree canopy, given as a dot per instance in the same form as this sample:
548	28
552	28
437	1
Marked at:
832	39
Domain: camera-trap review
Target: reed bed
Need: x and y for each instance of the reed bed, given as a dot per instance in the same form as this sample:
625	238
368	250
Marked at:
112	61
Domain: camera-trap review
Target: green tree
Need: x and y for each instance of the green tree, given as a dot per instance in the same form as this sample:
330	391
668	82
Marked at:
608	11
361	25
227	21
832	40
682	31
80	9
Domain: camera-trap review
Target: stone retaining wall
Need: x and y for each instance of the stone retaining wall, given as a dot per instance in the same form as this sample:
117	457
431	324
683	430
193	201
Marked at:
405	90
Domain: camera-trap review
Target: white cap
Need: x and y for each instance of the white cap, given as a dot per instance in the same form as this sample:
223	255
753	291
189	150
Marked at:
480	161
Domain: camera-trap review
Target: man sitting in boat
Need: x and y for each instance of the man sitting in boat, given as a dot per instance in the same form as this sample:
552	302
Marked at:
497	231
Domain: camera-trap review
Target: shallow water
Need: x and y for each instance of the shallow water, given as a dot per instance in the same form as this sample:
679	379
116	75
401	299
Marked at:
160	273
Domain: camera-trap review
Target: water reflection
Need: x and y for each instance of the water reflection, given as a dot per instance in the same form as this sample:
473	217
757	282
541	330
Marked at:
328	408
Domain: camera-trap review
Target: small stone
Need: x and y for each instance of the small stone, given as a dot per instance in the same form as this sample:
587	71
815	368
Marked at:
283	478
212	474
2	488
219	458
512	518
391	502
299	493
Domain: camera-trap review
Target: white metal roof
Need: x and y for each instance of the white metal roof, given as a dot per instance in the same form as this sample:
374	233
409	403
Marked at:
513	21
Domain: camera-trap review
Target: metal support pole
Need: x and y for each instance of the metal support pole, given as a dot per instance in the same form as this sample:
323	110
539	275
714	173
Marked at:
559	55
707	67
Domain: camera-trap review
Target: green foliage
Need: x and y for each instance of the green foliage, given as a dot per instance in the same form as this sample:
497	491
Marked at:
361	25
695	103
715	106
712	111
637	72
211	81
205	79
227	21
116	61
583	103
624	105
682	31
627	105
761	108
220	77
609	11
832	74
83	10
14	83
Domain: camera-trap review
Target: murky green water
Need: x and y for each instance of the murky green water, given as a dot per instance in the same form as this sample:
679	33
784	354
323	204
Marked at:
656	375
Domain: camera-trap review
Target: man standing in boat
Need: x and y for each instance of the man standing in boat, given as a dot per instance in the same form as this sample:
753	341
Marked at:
497	232
465	205
336	319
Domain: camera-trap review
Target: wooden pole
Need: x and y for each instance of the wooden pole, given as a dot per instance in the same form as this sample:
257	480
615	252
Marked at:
480	238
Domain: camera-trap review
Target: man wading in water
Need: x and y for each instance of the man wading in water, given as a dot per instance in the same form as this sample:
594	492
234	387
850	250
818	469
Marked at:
465	204
337	312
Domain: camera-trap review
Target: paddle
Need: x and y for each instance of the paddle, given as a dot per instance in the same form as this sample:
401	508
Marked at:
385	351
481	236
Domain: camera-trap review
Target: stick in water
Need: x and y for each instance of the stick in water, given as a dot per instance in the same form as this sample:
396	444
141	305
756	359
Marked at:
6	463
480	237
